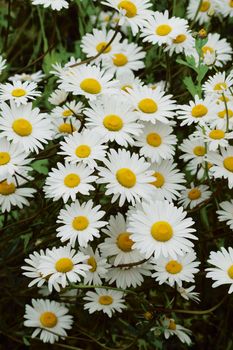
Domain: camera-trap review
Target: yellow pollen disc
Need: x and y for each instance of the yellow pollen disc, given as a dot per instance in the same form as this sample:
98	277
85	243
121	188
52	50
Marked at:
4	158
199	111
113	122
147	105
228	164
220	86
159	182
100	47
230	271
206	49
153	139
124	242
119	59
83	151
161	231
18	92
205	6
126	177
222	114
172	325
173	267
105	300
67	113
6	189
194	193
129	7
80	223
91	86
199	151
231	3
64	265
126	87
163	30
91	261
66	128
72	180
22	127
217	134
179	39
48	319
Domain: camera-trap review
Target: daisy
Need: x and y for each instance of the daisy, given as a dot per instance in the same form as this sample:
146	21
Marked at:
195	195
222	164
207	8
226	213
19	92
60	70
54	4
127	177
31	269
113	119
183	269
161	229
65	126
80	222
67	180
194	150
218	84
188	294
222	273
36	77
214	138
107	301
70	109
223	115
152	104
25	126
61	266
156	141
58	97
85	147
50	319
127	80
171	328
182	43
226	8
2	64
162	84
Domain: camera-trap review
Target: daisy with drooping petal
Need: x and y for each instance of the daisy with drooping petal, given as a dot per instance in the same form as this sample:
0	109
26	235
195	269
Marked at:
70	109
25	126
127	177
50	319
63	127
54	4
31	269
57	97
222	164
67	180
107	301
161	229
218	84
195	195
226	213
188	294
80	222
36	77
171	328
19	92
222	273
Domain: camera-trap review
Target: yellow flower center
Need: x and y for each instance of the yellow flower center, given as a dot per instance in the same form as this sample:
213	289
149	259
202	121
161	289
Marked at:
199	111
91	86
124	242
172	325
101	47
199	151
223	113
205	6
230	271
66	128
48	319
153	139
217	134
126	177
228	164
179	39
18	92
159	182
206	49
80	223
220	86
91	261
83	151
105	300
129	7
147	105
173	267
64	265
163	29
72	180
22	127
113	122
161	231
194	193
231	3
6	189
120	59
4	158
67	113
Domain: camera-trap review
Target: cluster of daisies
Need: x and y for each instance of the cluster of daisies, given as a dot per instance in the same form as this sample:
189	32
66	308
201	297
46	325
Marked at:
116	146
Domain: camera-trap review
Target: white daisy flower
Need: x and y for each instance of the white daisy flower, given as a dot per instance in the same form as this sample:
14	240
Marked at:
18	92
226	213
2	64
80	222
67	180
214	138
61	266
194	151
161	229
171	328
127	177
222	164
223	115
127	80
194	195
162	84
107	301
226	8
60	70
57	97
70	109
218	84
182	43
36	77
54	4
49	318
206	10
188	294
222	273
31	269
65	126
25	126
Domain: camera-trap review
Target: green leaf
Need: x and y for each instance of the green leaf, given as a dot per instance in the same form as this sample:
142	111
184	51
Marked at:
188	82
26	238
203	69
41	166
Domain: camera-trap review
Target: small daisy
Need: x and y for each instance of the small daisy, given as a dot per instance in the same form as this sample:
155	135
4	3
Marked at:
70	109
222	273
171	328
54	4
161	229
218	84
188	294
18	92
67	180
223	115
31	269
226	213
126	80
2	64
80	222
194	150
195	195
65	126
127	177
60	70
215	138
222	164
36	77
58	97
50	319
226	8
182	43
107	301
207	7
